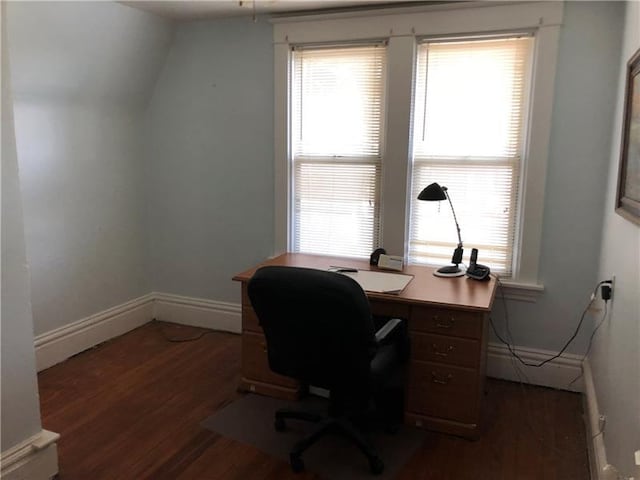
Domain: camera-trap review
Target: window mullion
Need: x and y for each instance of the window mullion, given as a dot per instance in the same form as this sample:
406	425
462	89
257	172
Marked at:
397	145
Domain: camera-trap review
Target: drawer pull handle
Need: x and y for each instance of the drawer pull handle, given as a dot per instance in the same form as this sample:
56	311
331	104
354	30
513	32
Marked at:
447	324
449	349
440	380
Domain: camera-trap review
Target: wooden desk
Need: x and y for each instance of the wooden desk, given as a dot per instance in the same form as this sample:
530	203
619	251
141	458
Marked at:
447	320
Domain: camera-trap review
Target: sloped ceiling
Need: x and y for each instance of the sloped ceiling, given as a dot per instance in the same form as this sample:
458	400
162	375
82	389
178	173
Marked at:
89	51
186	10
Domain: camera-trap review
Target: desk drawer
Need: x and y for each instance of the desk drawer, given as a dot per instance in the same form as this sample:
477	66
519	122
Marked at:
389	309
255	364
445	321
443	391
429	347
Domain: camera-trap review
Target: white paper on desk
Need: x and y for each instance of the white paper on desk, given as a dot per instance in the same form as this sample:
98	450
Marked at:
381	282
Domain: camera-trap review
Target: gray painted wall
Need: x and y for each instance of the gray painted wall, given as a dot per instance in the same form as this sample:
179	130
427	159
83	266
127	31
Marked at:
588	58
211	166
615	359
83	73
210	158
20	409
207	178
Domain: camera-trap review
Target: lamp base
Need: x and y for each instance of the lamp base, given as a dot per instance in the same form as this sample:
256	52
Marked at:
449	271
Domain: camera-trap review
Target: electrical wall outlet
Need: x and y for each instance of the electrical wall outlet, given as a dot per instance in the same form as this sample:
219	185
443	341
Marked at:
613	283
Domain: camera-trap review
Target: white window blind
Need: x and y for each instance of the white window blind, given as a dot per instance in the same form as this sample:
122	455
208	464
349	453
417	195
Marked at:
337	114
469	128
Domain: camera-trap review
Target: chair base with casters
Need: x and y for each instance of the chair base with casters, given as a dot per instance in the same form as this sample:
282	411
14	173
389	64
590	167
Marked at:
326	425
344	419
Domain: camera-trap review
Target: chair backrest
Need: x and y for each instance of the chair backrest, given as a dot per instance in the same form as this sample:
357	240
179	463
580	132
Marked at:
317	324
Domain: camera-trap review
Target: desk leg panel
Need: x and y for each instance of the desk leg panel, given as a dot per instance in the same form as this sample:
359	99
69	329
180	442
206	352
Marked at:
248	385
466	430
255	362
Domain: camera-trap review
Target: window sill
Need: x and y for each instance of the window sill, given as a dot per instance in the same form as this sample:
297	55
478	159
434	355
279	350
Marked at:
521	292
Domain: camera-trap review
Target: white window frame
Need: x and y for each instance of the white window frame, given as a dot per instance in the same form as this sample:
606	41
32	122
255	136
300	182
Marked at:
402	27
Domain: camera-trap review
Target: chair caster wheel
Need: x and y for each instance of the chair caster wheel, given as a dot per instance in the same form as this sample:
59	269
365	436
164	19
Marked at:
376	465
297	465
279	425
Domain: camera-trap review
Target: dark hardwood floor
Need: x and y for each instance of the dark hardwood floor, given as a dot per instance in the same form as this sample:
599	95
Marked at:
131	407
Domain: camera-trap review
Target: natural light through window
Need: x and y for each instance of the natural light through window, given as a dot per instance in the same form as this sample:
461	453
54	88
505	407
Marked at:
337	100
469	127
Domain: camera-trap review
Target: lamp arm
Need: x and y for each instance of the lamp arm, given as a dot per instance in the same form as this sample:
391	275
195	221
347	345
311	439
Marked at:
454	218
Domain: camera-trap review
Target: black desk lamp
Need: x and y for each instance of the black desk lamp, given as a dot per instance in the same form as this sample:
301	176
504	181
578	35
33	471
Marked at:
435	192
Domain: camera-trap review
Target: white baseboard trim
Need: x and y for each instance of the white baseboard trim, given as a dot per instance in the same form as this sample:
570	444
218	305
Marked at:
595	443
197	312
35	459
57	345
557	373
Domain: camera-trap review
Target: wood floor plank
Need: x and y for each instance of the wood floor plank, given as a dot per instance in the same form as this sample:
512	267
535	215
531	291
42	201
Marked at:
132	407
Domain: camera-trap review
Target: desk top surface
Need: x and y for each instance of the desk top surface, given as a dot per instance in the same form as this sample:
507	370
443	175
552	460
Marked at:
425	288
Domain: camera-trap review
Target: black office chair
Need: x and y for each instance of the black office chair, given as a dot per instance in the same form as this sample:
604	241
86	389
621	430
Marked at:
320	331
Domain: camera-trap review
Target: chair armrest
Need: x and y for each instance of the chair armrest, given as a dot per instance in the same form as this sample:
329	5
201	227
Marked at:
386	330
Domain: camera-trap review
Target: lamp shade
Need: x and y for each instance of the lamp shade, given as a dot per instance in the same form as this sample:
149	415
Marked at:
433	192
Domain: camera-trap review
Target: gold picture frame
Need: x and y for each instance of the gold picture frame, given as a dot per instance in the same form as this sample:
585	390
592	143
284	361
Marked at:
628	192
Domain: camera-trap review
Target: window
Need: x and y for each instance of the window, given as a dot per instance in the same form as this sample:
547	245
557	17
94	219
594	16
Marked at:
347	174
469	128
337	100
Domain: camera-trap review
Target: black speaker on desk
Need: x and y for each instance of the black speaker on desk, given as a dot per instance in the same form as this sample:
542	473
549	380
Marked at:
375	256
